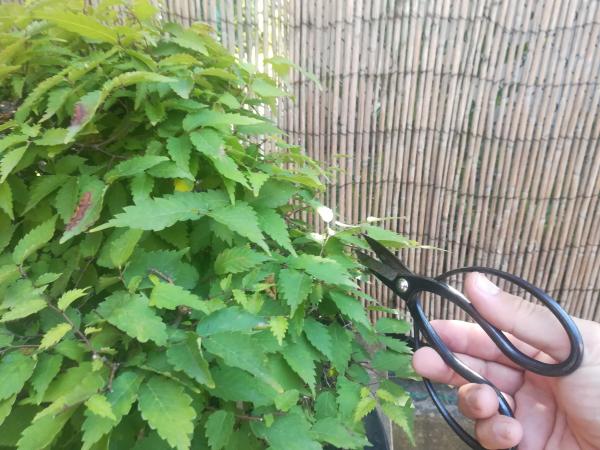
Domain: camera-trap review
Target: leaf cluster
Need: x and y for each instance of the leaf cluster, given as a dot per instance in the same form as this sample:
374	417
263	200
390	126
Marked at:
159	287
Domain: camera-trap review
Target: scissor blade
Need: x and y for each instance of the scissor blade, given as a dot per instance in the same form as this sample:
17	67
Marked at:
387	257
382	271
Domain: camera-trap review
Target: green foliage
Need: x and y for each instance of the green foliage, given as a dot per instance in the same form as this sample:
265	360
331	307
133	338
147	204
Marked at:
157	287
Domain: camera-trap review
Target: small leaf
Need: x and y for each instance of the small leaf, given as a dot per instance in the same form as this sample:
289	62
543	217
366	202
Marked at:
6	407
161	398
324	269
80	24
56	99
121	307
232	318
10	161
219	427
342	345
6	200
265	88
286	400
34	240
351	308
54	335
171	296
257	179
46	370
275	227
88	210
122	247
279	326
301	359
210	144
389	325
210	118
53	136
401	416
237	350
187	357
238	259
15	370
133	166
99	405
40	434
69	297
333	431
179	149
364	407
294	287
42	187
242	219
318	336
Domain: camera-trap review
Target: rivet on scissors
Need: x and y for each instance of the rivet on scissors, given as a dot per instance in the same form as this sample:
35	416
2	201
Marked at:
402	285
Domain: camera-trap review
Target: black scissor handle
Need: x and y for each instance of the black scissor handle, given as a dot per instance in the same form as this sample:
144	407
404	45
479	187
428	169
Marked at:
422	325
569	365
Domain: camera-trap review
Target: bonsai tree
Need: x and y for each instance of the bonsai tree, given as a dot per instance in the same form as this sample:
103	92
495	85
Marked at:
158	286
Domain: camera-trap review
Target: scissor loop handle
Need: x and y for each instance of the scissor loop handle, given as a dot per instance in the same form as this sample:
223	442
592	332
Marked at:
569	365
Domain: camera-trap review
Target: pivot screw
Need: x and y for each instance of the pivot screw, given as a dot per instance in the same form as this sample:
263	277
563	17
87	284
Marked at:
402	285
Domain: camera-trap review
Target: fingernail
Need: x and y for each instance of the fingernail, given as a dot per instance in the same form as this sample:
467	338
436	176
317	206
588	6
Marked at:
486	285
502	430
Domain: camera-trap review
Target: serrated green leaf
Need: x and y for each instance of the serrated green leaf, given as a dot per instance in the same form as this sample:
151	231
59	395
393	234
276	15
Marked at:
34	240
233	384
40	434
219	427
257	179
389	325
24	309
186	356
54	335
166	211
232	318
46	370
190	40
210	143
386	360
66	199
318	336
348	396
15	370
278	326
171	296
237	350
160	398
10	161
121	307
401	416
53	136
56	99
6	407
122	248
364	407
342	343
324	269
210	118
133	166
121	398
69	297
301	359
179	149
241	218
286	400
265	88
294	287
42	187
99	405
275	227
351	307
288	432
6	200
334	432
141	187
164	264
80	24
238	259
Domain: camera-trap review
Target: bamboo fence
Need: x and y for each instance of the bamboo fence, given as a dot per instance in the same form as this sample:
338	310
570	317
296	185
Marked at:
477	121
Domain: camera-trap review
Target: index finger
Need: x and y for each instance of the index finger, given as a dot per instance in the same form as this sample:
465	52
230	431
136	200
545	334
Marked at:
531	323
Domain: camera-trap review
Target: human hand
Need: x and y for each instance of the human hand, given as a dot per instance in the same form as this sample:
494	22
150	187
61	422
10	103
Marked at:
550	413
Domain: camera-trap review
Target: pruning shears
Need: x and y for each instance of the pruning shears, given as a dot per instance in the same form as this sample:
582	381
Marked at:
408	286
